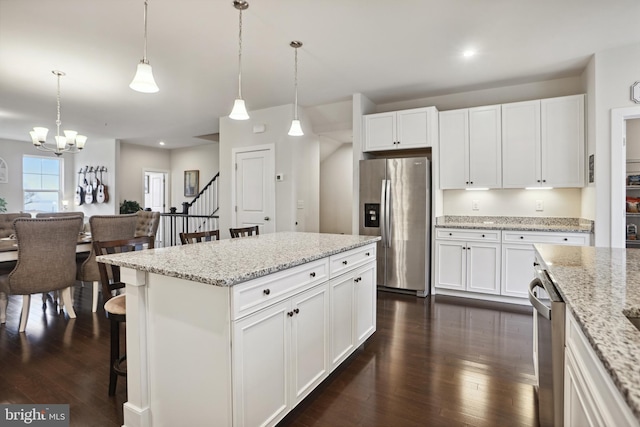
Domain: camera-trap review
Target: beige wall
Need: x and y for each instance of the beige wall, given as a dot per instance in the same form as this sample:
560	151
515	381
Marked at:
203	158
336	191
295	157
101	152
134	161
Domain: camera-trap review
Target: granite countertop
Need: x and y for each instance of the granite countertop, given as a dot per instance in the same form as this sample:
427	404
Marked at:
516	223
231	261
600	286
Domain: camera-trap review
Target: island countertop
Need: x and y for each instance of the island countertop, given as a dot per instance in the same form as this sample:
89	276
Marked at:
232	261
601	286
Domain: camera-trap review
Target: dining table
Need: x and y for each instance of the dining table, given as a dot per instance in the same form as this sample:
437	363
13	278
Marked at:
9	247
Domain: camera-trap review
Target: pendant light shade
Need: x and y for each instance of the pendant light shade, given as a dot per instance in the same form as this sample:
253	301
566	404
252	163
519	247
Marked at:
296	128
143	80
239	111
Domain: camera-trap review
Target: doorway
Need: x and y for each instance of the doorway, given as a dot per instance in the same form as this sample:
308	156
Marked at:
156	194
253	187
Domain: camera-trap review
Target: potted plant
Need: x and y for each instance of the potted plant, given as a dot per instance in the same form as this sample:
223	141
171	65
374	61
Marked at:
129	207
3	204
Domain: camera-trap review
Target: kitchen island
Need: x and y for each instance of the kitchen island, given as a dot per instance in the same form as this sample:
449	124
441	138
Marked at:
601	289
237	332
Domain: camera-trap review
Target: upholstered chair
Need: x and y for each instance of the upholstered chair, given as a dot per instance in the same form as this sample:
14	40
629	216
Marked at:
199	236
6	222
104	228
244	231
46	262
147	224
59	214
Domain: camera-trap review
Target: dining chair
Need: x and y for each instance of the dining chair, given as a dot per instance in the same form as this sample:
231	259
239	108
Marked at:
115	305
6	222
199	236
147	224
46	262
244	231
104	228
59	214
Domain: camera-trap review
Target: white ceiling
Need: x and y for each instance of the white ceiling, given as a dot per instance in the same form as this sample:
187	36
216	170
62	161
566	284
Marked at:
389	50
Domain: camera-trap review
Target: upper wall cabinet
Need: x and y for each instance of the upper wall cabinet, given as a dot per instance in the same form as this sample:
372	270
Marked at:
406	129
470	148
543	143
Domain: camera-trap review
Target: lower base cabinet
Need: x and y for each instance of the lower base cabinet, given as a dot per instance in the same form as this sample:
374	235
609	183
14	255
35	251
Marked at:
280	353
590	397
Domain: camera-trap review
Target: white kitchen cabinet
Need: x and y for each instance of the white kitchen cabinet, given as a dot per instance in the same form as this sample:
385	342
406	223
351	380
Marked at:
405	129
543	143
468	260
353	301
470	148
590	396
518	255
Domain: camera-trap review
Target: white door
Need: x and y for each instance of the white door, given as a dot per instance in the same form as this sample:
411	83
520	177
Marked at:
483	267
451	261
485	147
412	128
254	194
154	191
365	303
380	131
517	269
454	149
521	144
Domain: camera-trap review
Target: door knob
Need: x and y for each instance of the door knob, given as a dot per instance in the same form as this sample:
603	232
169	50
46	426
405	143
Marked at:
266	218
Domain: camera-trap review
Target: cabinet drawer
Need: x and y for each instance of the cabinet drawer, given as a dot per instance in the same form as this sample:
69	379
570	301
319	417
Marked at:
467	234
577	239
346	261
256	294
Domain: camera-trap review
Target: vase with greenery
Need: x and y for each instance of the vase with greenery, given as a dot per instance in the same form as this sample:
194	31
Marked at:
3	204
129	207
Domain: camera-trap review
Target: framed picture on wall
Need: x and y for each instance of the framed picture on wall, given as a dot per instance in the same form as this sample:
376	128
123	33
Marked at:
191	183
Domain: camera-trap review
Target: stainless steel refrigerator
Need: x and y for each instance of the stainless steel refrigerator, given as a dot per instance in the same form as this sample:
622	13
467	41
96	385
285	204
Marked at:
395	203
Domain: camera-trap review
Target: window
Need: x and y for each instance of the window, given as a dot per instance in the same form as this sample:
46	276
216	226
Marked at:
41	183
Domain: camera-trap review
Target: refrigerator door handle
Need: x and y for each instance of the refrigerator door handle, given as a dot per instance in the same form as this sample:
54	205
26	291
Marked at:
383	219
387	214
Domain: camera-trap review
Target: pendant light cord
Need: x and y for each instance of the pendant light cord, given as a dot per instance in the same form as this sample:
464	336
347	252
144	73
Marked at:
240	57
58	122
144	54
295	71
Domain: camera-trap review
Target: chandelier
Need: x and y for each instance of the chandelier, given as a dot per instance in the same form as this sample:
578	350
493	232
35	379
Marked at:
71	142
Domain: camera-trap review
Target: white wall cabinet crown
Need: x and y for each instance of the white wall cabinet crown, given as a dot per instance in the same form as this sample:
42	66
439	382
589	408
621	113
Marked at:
543	143
470	148
405	129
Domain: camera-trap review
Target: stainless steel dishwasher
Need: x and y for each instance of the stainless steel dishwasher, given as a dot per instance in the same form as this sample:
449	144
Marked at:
549	336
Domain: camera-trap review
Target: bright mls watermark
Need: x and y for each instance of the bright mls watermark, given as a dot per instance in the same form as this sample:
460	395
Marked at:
34	415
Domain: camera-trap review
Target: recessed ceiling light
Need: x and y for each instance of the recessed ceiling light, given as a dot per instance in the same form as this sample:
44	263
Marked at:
161	142
469	53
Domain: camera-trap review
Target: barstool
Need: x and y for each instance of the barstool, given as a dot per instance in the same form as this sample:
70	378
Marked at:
115	307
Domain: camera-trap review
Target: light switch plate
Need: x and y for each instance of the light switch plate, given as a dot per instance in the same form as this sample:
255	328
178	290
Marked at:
539	205
475	205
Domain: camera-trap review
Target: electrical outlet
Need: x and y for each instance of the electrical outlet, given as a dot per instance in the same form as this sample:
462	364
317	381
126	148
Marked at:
475	205
539	205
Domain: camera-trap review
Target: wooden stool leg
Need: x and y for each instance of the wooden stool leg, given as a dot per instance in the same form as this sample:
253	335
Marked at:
115	353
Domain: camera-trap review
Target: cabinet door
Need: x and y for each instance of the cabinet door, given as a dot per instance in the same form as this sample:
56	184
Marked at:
309	341
485	147
454	149
412	128
365	303
521	144
562	141
380	131
260	366
483	267
451	264
517	269
341	319
579	410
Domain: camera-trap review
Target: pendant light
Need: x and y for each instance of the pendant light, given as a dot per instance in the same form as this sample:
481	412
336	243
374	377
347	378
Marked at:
71	142
143	80
239	111
296	129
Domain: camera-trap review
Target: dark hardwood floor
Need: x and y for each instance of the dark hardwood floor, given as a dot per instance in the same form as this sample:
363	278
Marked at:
432	362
